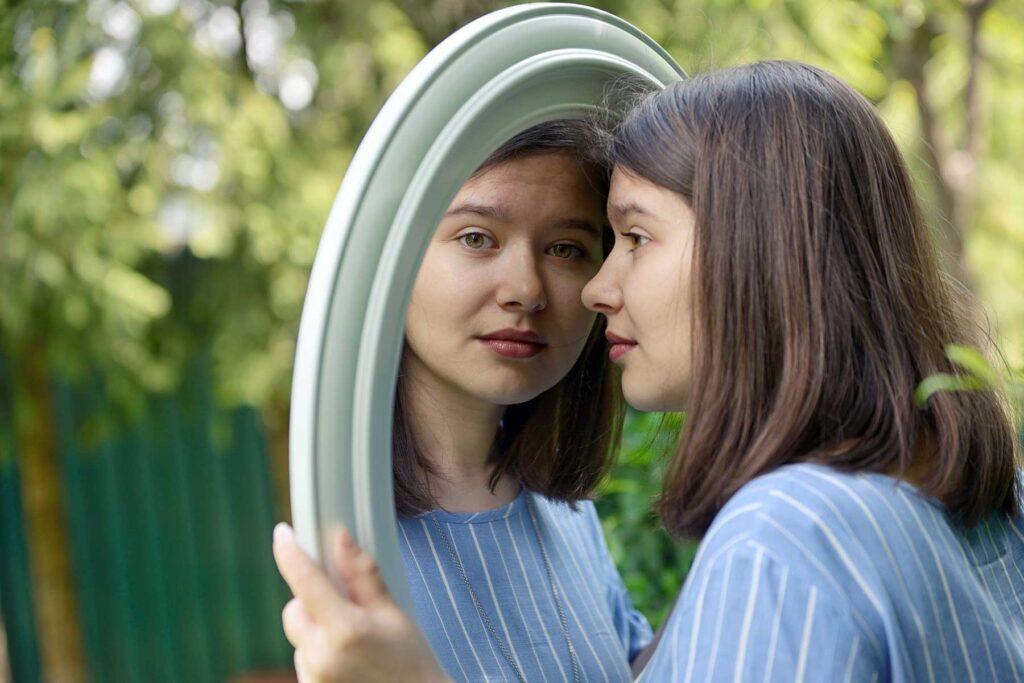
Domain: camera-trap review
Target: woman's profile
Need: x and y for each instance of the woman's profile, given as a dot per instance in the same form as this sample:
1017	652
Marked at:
847	533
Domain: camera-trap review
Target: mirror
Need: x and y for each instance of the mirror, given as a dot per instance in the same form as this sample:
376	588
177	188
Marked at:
495	77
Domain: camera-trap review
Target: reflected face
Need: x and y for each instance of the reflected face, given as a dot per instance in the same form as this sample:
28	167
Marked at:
644	289
496	314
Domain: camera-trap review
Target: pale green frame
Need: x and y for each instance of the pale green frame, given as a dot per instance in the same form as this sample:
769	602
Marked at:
500	74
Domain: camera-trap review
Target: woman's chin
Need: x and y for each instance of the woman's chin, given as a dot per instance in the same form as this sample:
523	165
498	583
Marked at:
510	394
653	399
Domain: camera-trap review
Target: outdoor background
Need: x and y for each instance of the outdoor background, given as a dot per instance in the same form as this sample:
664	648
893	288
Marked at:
166	167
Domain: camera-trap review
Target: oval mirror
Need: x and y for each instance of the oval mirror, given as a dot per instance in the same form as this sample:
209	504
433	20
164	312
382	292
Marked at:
497	76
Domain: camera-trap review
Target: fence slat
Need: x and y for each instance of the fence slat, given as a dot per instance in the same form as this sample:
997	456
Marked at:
158	553
79	474
179	532
15	579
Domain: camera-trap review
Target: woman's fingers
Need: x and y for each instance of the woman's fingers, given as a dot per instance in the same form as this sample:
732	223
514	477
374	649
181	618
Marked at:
359	570
321	598
363	639
301	671
298	624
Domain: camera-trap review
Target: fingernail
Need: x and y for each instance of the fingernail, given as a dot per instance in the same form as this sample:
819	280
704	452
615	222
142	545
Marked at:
346	537
282	533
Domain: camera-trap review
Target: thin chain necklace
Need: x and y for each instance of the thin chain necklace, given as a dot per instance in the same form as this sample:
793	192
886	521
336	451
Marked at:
502	645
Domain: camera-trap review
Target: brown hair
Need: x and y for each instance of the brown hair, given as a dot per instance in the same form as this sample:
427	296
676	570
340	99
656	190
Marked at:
562	442
819	301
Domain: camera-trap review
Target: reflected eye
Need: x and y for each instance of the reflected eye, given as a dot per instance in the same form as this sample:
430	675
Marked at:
566	251
477	240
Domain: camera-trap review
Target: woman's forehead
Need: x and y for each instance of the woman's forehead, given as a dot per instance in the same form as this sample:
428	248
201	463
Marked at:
629	193
519	187
529	170
523	200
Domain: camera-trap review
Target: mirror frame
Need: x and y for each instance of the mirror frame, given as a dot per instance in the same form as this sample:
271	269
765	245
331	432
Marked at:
504	72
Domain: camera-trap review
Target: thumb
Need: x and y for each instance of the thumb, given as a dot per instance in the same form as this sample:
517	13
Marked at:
359	570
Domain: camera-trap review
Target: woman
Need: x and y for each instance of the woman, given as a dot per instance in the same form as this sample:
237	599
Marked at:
773	277
847	533
505	557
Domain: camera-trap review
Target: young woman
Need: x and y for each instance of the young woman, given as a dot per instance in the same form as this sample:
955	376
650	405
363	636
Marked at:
493	459
773	277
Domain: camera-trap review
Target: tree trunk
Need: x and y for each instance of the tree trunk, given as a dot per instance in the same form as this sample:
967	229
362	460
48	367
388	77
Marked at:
5	660
60	638
954	167
275	421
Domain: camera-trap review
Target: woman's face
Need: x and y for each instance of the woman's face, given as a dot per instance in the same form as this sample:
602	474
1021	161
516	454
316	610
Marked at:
644	289
495	314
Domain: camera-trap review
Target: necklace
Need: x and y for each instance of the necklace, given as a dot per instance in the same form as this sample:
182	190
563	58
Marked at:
502	645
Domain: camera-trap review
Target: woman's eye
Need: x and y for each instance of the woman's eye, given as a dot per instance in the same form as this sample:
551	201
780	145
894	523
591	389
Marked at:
566	251
476	240
635	239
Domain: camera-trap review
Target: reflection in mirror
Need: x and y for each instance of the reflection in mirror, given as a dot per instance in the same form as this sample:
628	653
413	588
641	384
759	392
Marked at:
506	414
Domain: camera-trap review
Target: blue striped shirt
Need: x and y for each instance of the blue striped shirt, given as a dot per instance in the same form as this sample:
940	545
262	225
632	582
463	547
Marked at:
502	559
809	574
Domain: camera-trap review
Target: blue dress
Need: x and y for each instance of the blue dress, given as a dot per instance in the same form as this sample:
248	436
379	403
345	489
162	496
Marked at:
502	558
809	574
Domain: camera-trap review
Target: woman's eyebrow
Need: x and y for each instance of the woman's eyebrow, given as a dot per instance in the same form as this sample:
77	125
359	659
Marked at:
503	214
495	211
618	212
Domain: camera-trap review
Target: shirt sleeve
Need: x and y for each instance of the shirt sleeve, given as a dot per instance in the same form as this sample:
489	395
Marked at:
631	626
744	616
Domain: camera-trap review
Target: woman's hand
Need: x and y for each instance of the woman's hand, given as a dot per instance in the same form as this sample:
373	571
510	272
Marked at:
362	637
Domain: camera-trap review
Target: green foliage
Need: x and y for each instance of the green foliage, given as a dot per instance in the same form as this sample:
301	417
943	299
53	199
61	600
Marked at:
977	374
652	564
167	166
166	175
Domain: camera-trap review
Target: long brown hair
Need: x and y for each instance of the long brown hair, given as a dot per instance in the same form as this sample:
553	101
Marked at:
819	301
562	442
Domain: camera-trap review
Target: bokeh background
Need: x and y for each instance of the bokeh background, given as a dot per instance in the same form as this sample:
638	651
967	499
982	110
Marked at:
166	167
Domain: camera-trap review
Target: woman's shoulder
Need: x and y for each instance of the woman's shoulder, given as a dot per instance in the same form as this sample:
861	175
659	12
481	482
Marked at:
563	512
819	516
808	490
578	519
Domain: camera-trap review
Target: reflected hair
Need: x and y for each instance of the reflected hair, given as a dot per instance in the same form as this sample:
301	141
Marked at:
561	443
819	301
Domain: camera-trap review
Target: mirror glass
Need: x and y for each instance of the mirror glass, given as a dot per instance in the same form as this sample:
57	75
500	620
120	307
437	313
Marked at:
505	413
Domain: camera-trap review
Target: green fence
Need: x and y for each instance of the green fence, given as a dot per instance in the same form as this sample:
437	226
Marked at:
170	517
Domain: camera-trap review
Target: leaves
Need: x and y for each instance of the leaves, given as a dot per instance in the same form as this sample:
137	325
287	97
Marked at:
652	564
979	374
971	360
944	382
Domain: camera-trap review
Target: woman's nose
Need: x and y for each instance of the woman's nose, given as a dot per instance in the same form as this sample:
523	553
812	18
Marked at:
602	294
522	287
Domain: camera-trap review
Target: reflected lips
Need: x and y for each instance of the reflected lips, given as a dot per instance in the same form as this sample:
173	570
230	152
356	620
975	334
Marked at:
512	343
620	346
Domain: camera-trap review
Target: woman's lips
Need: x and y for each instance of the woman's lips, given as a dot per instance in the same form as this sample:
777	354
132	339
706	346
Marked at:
510	348
513	343
620	346
617	351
